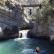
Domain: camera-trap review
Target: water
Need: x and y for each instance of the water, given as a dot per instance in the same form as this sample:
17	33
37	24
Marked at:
24	46
24	34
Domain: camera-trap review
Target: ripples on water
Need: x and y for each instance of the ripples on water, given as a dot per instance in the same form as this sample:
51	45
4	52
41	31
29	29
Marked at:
24	46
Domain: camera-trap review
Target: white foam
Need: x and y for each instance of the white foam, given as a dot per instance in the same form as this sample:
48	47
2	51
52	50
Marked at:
24	35
27	50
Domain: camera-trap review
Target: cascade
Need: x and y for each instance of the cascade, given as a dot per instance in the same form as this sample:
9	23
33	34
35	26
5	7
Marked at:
22	35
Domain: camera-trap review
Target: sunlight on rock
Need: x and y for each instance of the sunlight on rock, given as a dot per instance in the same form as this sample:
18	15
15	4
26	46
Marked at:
0	29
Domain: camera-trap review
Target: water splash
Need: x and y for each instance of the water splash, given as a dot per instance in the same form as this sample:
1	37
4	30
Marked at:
22	35
27	51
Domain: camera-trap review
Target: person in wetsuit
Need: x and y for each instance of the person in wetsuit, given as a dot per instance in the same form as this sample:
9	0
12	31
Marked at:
38	51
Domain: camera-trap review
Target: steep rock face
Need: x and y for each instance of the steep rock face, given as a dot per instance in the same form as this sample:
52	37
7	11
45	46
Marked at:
10	19
28	2
51	28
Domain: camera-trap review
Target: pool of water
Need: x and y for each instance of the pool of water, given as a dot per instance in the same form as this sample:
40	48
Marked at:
24	46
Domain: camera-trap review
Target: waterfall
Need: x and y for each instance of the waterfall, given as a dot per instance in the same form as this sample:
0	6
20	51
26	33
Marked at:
22	35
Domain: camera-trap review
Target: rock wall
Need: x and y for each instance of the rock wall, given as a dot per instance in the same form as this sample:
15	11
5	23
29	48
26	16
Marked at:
51	28
10	19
